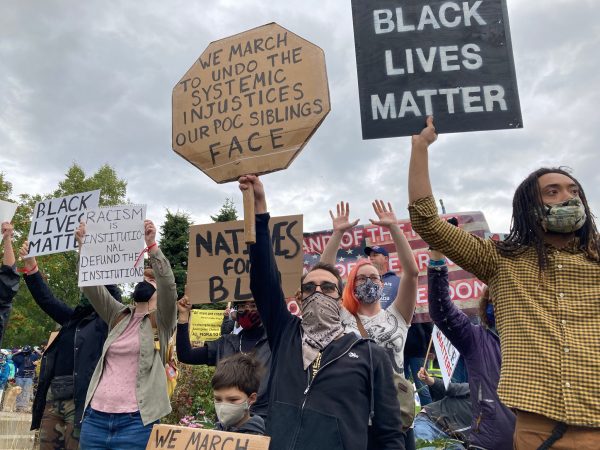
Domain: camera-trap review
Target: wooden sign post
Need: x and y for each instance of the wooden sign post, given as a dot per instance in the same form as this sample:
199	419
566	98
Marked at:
249	104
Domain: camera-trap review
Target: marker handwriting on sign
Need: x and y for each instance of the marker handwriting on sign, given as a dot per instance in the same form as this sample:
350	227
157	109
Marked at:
219	259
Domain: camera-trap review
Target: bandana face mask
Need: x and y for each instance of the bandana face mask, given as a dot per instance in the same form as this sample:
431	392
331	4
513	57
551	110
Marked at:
565	217
321	324
248	319
368	292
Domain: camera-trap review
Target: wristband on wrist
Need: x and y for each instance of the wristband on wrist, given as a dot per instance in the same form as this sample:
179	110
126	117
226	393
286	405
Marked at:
437	262
27	272
146	250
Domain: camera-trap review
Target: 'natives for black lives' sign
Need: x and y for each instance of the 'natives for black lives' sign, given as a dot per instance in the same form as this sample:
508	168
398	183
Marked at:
449	59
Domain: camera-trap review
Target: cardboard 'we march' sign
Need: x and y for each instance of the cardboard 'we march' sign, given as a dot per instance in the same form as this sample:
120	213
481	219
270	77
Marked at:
449	59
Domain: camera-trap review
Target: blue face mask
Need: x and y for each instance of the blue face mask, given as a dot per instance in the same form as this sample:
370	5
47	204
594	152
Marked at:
491	318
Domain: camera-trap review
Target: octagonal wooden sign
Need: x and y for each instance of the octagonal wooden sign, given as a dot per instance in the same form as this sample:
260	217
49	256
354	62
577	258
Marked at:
250	103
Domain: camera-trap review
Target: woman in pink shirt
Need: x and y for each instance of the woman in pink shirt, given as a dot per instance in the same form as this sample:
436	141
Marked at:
127	394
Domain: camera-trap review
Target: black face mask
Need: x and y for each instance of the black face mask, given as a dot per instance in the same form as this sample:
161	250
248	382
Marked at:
143	292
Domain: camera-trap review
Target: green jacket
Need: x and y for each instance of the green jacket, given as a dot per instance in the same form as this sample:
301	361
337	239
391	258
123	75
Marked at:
151	389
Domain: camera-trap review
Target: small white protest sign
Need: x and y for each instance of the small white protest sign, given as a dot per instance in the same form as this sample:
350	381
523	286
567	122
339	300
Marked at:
447	355
55	220
7	210
113	243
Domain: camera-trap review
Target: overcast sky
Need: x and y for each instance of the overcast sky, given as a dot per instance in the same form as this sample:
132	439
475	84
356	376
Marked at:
90	82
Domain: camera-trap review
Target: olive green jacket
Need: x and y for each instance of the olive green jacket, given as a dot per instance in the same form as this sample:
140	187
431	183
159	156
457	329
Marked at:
151	388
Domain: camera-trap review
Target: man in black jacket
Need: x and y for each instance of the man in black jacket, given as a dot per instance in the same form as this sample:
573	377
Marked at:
67	364
326	387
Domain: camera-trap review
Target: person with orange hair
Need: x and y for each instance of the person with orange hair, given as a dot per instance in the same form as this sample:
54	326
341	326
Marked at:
362	294
364	288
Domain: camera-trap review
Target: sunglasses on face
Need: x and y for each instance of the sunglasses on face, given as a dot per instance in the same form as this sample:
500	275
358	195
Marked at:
327	288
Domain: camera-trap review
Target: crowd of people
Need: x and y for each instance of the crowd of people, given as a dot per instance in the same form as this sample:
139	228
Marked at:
340	375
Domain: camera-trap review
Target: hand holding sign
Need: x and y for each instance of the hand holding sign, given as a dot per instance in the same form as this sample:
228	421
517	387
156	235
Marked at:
7	231
30	262
80	234
253	184
150	234
427	136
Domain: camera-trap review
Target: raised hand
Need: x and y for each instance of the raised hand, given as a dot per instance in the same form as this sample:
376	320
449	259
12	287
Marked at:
341	222
386	215
80	234
253	182
7	230
427	135
29	261
184	307
424	376
149	233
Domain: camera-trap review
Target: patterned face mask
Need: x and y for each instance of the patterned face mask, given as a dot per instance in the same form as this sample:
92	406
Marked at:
368	292
321	324
565	217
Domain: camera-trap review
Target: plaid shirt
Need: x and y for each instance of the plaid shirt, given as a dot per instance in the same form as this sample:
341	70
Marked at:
549	325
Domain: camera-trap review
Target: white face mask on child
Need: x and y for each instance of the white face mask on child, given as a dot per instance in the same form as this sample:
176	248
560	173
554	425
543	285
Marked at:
230	414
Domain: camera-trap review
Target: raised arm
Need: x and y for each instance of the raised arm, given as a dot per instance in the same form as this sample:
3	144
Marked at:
104	304
166	289
9	253
341	224
406	296
185	352
265	281
472	253
9	278
454	323
58	310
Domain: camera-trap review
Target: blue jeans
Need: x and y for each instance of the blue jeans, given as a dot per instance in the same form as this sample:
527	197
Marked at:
411	368
106	431
24	398
426	429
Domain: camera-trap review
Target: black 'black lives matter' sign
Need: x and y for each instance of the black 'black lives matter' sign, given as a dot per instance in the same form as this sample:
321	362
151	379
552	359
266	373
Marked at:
449	59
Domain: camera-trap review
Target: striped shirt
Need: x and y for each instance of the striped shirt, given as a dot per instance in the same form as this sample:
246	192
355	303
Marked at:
549	325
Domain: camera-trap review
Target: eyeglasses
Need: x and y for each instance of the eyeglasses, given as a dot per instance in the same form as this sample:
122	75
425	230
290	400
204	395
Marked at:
361	279
327	288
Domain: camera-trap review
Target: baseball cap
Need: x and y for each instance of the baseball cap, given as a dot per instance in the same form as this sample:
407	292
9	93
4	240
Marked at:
376	249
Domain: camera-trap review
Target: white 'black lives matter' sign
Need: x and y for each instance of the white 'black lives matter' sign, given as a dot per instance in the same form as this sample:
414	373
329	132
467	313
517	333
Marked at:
449	59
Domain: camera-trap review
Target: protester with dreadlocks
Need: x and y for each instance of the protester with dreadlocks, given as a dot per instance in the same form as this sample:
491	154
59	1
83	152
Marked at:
544	280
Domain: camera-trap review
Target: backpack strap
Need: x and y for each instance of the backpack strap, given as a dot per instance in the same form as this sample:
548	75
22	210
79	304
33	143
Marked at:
365	335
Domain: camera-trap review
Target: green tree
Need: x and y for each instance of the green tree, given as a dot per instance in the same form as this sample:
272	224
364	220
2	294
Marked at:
174	243
227	213
28	323
5	188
